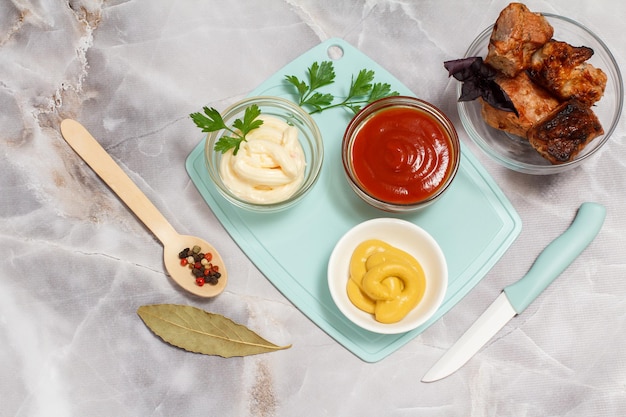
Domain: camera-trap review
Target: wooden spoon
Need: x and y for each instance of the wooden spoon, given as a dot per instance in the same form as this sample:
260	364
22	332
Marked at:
101	162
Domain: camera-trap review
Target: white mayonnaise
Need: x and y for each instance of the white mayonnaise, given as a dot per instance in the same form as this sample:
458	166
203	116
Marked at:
269	166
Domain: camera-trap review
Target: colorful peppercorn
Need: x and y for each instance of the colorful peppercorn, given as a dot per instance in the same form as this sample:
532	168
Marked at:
200	264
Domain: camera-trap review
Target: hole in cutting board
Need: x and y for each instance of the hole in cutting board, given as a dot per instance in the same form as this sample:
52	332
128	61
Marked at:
335	52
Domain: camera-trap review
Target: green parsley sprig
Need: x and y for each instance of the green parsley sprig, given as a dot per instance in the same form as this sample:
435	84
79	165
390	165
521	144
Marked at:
212	121
363	90
319	75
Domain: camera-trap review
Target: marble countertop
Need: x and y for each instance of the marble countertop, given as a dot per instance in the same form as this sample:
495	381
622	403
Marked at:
78	264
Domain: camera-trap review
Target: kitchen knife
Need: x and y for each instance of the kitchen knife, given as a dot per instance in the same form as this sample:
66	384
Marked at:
514	299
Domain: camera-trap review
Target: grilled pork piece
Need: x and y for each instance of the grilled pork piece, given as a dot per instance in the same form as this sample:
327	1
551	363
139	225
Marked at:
561	69
516	35
560	136
531	102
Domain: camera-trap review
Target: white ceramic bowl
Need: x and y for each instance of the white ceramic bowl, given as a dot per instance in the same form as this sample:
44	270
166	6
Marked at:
403	235
516	153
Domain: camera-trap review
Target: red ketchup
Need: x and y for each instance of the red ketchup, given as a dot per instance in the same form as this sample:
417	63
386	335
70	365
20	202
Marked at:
402	155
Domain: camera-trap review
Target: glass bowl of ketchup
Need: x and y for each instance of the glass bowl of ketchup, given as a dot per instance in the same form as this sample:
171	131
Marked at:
400	154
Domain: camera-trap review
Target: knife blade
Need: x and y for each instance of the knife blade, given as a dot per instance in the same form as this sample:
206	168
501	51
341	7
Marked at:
515	298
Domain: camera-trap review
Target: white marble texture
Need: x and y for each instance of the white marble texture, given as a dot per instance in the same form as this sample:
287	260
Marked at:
77	264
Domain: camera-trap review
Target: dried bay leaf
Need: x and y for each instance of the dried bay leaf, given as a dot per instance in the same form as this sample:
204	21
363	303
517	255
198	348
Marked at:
198	331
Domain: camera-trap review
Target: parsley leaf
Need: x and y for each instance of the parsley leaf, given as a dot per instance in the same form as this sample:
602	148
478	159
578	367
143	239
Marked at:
319	75
380	90
362	89
362	85
227	142
212	121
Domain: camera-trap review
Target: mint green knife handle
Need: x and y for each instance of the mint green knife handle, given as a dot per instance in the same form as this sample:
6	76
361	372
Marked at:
557	256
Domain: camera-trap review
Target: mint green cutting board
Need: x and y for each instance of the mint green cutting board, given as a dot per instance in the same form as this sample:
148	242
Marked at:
474	223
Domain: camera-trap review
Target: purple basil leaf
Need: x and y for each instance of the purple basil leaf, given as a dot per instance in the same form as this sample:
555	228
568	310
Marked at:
470	91
500	99
478	81
457	65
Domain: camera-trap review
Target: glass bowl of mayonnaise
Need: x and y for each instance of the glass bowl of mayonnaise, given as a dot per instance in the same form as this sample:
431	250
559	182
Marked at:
278	162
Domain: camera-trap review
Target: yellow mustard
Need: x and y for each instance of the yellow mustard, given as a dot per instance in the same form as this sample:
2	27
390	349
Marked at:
385	281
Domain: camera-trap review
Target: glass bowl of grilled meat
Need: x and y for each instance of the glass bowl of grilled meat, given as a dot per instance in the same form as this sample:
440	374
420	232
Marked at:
565	88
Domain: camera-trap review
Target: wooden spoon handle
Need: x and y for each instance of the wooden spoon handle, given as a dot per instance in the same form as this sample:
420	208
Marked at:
110	172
